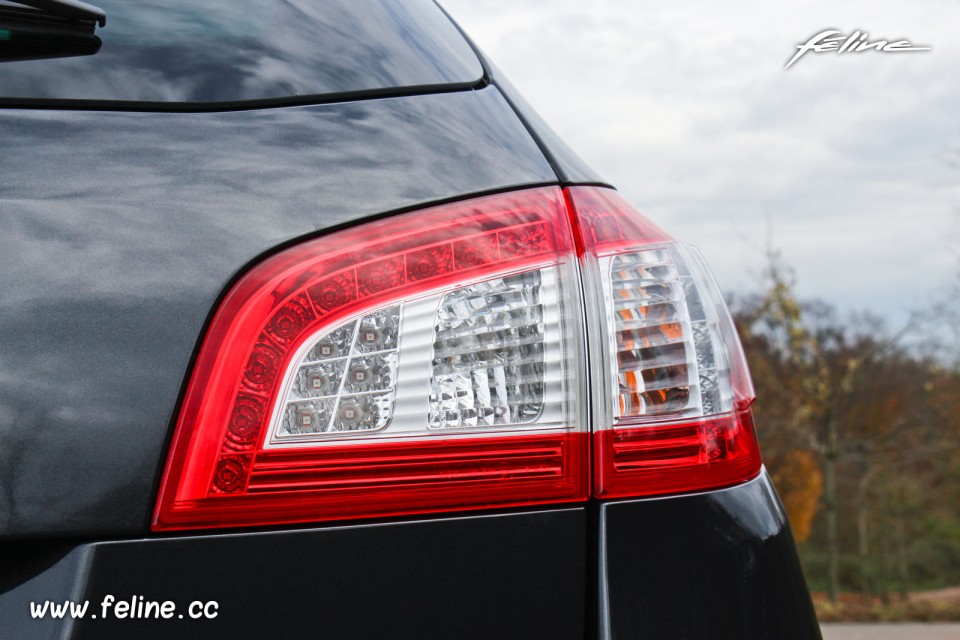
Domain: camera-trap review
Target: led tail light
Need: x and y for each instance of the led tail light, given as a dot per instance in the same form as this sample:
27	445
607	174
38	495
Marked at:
437	361
671	404
420	363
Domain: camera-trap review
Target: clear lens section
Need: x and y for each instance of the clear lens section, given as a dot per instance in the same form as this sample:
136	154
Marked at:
664	318
488	358
345	380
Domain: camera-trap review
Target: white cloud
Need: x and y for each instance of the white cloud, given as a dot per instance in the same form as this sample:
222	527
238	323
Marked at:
687	109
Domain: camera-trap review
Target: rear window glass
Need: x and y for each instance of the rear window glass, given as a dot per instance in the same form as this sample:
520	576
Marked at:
221	51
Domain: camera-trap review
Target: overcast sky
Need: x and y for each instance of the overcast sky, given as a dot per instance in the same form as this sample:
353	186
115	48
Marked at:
687	109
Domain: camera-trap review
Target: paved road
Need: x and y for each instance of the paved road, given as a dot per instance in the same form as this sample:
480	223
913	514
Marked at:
901	631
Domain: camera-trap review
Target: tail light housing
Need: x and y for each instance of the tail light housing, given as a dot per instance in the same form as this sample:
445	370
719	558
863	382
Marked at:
671	404
533	347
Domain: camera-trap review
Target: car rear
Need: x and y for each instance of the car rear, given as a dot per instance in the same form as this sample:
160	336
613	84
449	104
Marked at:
310	325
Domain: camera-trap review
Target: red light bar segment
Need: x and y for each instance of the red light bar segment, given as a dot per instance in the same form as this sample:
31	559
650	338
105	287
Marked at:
397	478
660	459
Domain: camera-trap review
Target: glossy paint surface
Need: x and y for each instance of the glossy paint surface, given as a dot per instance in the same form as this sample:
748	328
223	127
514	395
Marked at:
715	565
517	575
218	51
718	566
119	230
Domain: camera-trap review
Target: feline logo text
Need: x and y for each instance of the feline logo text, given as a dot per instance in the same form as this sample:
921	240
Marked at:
856	42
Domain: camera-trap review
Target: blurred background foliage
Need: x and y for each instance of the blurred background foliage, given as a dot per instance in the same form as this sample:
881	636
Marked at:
860	428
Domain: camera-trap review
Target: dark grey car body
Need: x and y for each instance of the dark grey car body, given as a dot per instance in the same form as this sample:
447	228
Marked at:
127	209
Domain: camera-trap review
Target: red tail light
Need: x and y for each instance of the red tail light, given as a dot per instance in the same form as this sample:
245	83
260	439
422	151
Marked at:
436	361
671	404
